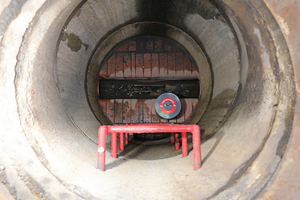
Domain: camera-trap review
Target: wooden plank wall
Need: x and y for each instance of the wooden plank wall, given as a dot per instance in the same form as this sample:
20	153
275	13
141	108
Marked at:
146	57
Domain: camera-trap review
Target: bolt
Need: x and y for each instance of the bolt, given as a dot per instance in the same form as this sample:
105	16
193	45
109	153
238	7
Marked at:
100	149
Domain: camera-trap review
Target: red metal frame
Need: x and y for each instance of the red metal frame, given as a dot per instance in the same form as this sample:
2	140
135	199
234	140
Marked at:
122	147
148	128
174	138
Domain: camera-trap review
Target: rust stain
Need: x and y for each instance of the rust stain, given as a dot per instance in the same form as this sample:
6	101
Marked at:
139	65
134	111
133	66
126	116
171	64
110	111
163	64
118	113
147	65
146	111
187	67
154	116
154	65
179	64
103	105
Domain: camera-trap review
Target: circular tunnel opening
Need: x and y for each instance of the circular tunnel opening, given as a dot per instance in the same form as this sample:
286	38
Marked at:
240	109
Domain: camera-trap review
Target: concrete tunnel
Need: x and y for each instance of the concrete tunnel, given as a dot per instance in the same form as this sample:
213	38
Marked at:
242	52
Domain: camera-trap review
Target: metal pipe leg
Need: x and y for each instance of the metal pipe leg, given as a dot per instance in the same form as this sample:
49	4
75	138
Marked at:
126	138
177	143
101	147
114	145
184	144
122	142
196	147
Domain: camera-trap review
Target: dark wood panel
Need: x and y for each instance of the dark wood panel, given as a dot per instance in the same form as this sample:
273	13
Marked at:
126	110
118	111
147	65
146	58
132	46
139	110
147	111
154	65
179	65
163	64
171	64
187	66
139	69
166	45
111	67
149	45
110	112
188	109
147	89
119	65
134	111
158	44
127	65
140	44
154	116
133	66
181	116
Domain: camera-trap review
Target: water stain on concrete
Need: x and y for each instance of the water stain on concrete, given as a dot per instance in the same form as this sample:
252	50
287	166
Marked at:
74	42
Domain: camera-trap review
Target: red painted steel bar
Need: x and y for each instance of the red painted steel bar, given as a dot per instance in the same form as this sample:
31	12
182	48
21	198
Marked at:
146	128
196	146
126	138
184	144
174	138
139	124
102	147
122	142
114	145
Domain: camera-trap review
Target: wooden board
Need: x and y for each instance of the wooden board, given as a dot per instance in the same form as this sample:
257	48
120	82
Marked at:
146	57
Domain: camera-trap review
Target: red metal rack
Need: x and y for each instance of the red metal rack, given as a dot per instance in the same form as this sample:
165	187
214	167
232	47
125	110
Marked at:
148	128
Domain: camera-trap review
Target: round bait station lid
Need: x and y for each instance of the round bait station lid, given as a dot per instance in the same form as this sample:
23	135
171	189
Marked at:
168	105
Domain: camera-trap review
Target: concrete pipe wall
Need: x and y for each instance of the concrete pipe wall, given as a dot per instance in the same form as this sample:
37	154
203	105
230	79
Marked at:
50	58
